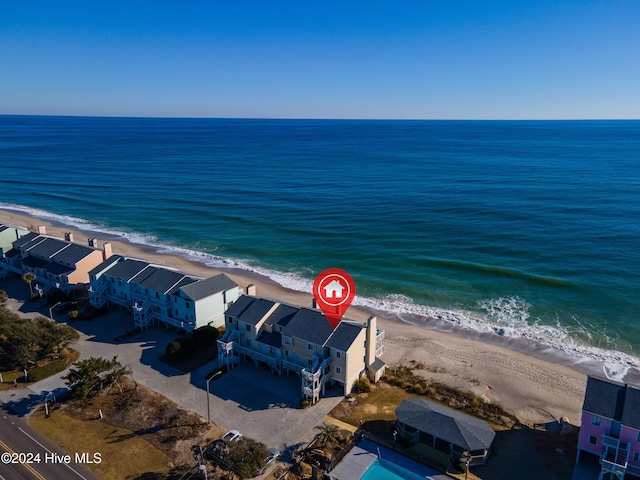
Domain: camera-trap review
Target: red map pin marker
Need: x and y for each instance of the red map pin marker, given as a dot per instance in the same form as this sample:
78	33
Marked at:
334	290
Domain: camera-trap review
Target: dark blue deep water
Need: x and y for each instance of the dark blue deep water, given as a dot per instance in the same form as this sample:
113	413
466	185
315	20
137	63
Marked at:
530	229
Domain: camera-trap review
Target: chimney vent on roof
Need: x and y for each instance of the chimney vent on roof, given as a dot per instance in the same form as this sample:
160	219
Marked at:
68	236
42	230
93	243
251	290
106	250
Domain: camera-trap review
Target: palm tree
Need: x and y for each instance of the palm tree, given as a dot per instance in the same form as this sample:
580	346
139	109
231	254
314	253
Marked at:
29	277
327	434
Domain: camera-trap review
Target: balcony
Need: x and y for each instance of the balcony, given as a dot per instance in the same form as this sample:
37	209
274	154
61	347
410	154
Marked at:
610	441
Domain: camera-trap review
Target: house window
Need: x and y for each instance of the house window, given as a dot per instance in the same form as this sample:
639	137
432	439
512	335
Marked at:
338	354
188	304
636	457
309	346
157	295
120	282
593	440
595	420
310	362
248	328
287	340
338	370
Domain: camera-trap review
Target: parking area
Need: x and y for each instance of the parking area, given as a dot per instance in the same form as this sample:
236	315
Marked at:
258	403
265	406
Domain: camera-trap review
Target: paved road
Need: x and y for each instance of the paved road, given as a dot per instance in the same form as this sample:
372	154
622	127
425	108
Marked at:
16	436
261	405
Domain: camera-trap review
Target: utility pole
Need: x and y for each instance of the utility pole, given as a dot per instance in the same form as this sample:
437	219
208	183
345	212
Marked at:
219	372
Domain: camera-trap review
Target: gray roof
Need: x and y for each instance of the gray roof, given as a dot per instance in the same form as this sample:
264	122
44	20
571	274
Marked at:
613	400
127	269
34	262
377	365
604	398
181	284
282	315
209	286
344	335
631	412
255	311
58	269
47	248
3	228
105	265
239	306
12	253
309	325
73	254
445	423
159	279
303	323
26	239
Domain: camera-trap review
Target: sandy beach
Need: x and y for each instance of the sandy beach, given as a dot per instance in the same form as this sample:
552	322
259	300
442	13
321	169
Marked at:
532	388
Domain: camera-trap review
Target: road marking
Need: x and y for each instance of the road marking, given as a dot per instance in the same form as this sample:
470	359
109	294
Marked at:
68	466
25	465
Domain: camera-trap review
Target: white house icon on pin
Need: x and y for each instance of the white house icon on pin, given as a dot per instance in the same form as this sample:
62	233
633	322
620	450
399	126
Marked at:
333	289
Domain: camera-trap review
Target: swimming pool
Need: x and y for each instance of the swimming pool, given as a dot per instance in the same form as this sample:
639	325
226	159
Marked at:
383	469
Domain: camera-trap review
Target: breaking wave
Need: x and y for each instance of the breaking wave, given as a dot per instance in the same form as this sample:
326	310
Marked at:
507	316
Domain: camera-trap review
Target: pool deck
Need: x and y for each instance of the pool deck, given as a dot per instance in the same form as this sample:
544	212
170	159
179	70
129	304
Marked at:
360	458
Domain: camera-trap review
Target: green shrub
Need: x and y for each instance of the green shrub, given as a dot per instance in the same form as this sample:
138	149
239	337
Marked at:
40	373
206	335
362	385
173	348
73	315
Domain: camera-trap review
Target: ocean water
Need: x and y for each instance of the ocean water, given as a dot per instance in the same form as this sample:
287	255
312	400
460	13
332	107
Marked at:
518	229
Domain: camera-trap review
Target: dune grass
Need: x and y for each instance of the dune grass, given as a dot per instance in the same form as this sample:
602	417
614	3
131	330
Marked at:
124	454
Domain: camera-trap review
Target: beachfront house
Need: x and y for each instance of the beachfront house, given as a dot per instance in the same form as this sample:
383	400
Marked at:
8	235
611	428
442	435
290	339
56	263
156	294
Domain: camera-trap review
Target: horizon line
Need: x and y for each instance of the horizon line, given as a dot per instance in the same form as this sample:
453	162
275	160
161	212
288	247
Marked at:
149	117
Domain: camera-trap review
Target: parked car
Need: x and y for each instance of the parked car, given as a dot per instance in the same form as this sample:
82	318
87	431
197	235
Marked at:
274	453
231	436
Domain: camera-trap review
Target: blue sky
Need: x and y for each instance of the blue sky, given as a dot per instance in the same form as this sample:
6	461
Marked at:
414	59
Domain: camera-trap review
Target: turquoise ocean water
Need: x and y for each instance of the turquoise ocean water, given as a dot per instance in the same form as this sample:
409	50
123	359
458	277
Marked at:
518	229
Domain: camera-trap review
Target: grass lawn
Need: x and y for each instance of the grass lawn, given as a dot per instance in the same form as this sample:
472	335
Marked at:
380	404
36	374
124	453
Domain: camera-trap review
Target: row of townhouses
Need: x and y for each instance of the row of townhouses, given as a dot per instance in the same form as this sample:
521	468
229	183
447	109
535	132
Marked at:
55	263
153	294
159	295
289	339
610	428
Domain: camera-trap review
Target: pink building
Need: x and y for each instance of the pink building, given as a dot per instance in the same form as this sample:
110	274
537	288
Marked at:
611	428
